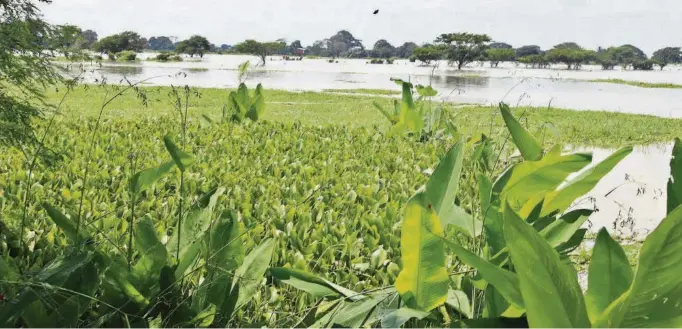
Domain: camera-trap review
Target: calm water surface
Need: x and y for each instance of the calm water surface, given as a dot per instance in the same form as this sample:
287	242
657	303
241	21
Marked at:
480	85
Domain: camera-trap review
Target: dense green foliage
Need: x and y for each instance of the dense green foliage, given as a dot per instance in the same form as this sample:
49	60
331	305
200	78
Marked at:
196	45
116	43
463	48
260	49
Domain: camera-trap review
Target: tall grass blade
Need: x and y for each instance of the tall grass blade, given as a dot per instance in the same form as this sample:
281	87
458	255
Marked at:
530	148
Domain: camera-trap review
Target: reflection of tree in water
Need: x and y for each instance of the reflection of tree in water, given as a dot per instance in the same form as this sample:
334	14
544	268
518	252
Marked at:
452	81
123	70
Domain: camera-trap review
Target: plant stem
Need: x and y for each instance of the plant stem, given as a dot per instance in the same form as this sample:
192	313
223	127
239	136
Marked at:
132	217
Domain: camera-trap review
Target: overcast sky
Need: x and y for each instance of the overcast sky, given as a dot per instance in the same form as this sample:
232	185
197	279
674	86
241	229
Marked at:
649	24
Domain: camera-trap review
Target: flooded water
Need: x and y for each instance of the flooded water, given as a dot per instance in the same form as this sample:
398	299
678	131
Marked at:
631	199
481	85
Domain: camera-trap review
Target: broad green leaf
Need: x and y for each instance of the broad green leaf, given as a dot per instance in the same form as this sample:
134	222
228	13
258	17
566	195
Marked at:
8	272
549	287
530	148
249	276
390	116
655	296
561	199
463	221
146	178
610	274
401	82
151	251
226	254
407	95
506	282
238	107
572	243
441	188
181	159
675	180
458	300
532	179
354	314
423	281
187	259
427	91
66	224
196	223
256	108
312	284
56	273
243	94
36	316
120	278
398	317
561	230
206	317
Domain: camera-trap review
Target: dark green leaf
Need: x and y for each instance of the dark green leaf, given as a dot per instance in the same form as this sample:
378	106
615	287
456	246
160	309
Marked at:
250	275
181	159
549	287
312	284
530	148
675	181
398	317
610	274
146	178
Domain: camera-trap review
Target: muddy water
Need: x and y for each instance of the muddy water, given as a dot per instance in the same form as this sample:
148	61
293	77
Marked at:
631	199
480	85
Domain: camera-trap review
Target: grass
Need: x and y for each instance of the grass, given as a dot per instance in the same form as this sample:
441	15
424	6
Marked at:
586	128
363	91
638	83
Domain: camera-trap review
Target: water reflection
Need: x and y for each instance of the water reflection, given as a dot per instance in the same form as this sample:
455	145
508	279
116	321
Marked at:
509	84
631	199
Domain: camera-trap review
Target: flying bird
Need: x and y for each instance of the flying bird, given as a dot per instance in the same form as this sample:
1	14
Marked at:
376	11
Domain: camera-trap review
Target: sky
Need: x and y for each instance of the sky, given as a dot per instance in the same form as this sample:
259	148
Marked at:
648	24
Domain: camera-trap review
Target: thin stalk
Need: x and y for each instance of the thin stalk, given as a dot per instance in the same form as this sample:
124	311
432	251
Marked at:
183	118
132	217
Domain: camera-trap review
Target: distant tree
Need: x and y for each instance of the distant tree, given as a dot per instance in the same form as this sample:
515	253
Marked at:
528	51
383	49
260	49
428	53
534	61
405	51
500	45
296	44
161	43
497	55
572	57
119	42
638	53
195	45
464	48
317	48
335	48
568	45
645	65
143	44
89	38
626	55
225	47
606	58
667	55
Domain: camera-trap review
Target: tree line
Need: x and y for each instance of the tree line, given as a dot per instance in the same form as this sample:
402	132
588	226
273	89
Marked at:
459	49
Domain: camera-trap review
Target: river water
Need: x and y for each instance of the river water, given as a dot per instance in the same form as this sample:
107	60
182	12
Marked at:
475	84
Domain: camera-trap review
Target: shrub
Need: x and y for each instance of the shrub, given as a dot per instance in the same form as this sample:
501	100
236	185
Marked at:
163	57
111	56
390	61
376	61
413	59
126	55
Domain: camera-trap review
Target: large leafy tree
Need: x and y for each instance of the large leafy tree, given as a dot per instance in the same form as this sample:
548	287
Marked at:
464	48
528	51
405	51
428	53
260	49
196	45
89	38
67	39
25	66
667	55
383	49
161	43
127	40
497	55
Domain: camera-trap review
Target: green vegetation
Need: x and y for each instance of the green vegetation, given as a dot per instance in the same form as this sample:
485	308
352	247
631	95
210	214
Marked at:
638	83
196	45
599	128
260	49
363	91
116	43
166	57
463	48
